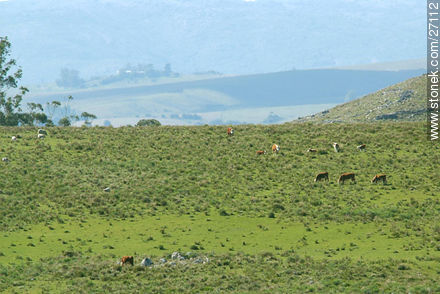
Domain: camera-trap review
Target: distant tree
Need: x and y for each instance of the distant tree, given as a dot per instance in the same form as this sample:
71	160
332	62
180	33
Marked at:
10	106
167	70
49	123
272	118
51	108
68	116
69	78
88	118
148	122
65	122
36	115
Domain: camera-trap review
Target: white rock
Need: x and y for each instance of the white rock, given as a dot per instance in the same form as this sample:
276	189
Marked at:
146	262
177	256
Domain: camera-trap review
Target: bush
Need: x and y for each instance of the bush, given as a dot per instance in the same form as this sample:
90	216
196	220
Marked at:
64	122
148	123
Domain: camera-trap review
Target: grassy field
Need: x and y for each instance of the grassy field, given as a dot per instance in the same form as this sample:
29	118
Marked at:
261	220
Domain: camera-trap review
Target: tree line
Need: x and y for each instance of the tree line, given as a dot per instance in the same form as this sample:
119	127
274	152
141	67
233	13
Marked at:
70	78
13	113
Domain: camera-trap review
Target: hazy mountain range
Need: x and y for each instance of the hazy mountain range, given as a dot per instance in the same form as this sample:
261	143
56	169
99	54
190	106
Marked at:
230	36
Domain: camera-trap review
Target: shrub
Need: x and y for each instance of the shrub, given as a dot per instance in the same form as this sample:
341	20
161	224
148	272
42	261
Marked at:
148	123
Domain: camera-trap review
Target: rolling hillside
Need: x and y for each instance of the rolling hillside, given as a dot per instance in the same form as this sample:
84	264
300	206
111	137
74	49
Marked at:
401	102
248	94
262	222
394	65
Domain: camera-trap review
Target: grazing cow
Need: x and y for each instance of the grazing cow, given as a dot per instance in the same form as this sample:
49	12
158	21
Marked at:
107	189
14	138
336	147
261	152
40	136
275	148
378	178
5	159
321	176
312	150
361	147
346	176
230	131
41	131
127	260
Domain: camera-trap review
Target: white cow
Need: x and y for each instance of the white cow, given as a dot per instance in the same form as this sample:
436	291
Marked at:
362	147
14	138
5	159
336	147
40	136
41	131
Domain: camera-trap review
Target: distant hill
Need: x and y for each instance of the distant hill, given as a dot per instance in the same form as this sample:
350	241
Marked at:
404	101
236	37
295	87
245	93
390	66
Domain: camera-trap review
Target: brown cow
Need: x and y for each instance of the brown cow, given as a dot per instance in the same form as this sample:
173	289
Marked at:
312	150
321	176
361	147
127	260
346	176
230	131
261	152
275	148
378	178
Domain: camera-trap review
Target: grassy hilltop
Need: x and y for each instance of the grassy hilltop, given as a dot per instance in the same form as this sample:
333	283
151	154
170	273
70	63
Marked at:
404	101
261	220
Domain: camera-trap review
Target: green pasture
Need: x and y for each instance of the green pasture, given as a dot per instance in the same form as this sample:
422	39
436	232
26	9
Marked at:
260	219
157	236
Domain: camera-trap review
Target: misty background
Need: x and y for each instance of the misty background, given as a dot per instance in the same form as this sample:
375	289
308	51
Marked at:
199	61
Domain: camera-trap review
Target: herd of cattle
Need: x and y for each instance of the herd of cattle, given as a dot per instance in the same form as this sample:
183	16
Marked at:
275	149
324	175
